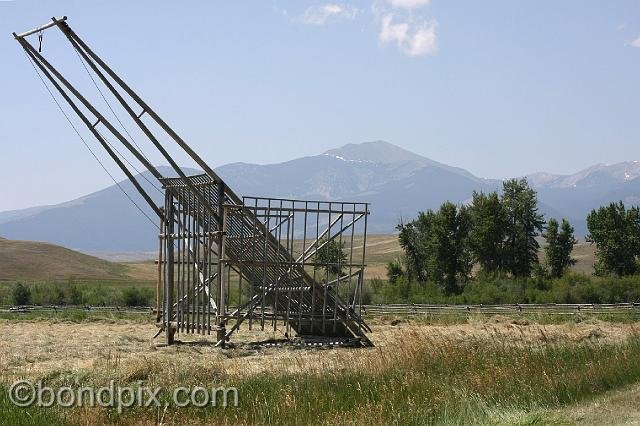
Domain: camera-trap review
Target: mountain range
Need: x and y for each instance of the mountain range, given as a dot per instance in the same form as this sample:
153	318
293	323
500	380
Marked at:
397	183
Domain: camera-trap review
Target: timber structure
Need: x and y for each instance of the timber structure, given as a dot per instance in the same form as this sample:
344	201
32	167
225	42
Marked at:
224	261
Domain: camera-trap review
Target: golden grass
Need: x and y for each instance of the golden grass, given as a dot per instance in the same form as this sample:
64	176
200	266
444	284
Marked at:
380	250
142	271
24	260
36	261
621	407
500	369
125	350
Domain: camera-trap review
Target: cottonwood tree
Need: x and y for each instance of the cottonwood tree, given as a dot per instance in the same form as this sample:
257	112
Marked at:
616	232
452	261
559	247
488	228
523	225
395	270
436	246
331	256
414	240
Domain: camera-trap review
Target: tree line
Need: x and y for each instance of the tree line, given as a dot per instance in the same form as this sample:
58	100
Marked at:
500	233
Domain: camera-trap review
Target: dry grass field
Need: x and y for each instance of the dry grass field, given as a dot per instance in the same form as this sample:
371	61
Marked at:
30	260
584	254
498	370
619	407
459	369
125	349
34	261
380	250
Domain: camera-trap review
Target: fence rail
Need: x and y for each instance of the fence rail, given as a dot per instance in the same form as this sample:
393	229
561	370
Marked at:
391	309
67	308
563	309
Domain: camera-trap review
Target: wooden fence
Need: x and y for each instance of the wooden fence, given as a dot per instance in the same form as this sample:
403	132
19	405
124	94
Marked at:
394	309
552	308
66	308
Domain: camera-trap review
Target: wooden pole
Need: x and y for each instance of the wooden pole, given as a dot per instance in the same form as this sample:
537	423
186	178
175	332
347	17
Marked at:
169	280
41	28
220	314
160	262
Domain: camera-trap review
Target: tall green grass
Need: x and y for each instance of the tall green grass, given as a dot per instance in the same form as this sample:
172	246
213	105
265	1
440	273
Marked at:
79	316
442	383
16	416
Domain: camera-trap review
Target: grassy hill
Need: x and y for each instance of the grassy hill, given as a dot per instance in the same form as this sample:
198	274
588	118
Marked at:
35	261
28	260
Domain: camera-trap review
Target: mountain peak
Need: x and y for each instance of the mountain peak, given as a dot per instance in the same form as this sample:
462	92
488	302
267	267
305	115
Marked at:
379	152
595	175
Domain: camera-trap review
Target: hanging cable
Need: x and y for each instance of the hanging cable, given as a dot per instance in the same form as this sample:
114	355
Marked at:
87	145
121	125
125	159
107	102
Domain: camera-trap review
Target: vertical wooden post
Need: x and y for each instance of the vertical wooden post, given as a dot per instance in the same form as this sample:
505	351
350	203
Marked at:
169	279
220	314
160	278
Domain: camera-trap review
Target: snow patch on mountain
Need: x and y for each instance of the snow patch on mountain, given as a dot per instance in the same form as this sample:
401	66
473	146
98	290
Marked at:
348	160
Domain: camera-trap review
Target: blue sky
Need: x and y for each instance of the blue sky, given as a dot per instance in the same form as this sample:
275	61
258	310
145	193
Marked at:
501	88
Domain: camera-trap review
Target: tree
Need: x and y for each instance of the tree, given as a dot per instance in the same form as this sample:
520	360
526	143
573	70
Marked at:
559	247
331	256
21	294
394	270
414	241
551	250
487	234
616	233
436	246
523	225
451	263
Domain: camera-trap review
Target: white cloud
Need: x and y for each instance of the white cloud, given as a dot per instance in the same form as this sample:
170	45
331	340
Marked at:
635	43
413	38
408	4
321	14
423	41
390	31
